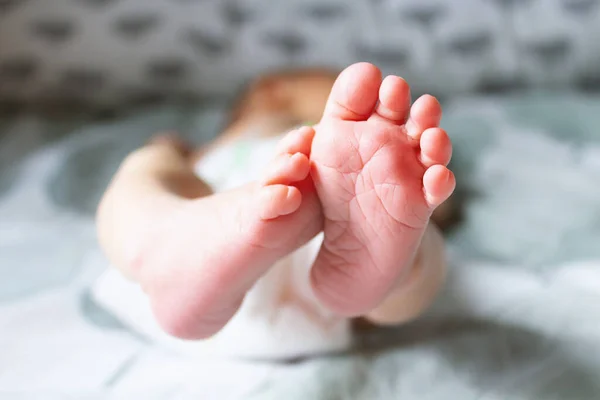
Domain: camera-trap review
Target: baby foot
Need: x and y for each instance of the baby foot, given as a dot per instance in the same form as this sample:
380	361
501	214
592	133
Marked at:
200	263
379	174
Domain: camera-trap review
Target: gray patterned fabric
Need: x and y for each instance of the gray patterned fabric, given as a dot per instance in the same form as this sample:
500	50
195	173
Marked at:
138	51
524	327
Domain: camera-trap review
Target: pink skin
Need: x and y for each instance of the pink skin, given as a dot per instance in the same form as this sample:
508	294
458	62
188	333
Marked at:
196	275
379	168
378	173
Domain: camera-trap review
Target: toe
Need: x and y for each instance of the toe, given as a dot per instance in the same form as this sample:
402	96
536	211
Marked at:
278	200
286	169
394	100
424	114
354	93
438	185
436	147
297	141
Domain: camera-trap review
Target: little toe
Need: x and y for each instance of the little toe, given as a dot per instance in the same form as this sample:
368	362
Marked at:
436	147
354	93
438	184
425	113
297	141
278	200
394	100
286	169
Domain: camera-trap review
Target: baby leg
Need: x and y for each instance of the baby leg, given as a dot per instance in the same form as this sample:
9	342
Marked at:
196	255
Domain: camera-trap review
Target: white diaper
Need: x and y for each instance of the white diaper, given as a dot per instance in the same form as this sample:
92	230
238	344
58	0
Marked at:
280	317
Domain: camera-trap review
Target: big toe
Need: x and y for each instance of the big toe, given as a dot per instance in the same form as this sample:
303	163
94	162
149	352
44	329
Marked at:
354	93
297	141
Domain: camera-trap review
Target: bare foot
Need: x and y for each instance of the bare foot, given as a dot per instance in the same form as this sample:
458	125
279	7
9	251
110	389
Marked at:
197	266
379	167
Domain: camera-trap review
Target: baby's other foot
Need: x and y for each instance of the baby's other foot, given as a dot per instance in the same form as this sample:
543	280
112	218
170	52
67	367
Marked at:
379	168
200	263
